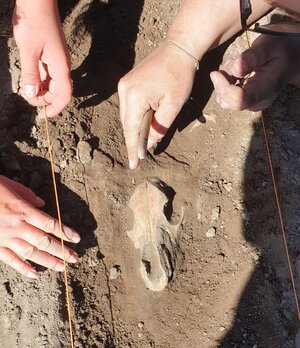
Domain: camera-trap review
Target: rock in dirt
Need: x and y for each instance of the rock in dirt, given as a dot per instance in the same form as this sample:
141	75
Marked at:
215	213
211	232
114	272
153	234
84	152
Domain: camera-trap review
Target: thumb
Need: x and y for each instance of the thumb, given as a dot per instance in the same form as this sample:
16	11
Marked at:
219	81
30	78
250	60
228	96
162	120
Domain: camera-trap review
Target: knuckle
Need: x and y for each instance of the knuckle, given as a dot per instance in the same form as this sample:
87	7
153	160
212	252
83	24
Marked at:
122	85
29	78
50	225
44	242
19	209
29	252
134	94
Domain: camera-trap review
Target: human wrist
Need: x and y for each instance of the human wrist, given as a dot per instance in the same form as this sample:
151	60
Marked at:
182	51
174	58
30	9
187	44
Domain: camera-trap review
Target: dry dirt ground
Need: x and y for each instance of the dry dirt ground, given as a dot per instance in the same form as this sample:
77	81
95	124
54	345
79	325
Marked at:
222	247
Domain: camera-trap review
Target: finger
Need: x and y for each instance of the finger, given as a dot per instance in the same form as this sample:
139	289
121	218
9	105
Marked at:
43	71
62	95
39	240
144	134
250	60
132	126
56	98
45	99
162	120
23	191
30	76
33	101
228	96
253	95
11	259
48	224
48	97
29	252
60	85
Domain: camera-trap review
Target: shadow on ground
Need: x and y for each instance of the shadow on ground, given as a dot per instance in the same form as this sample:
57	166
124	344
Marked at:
114	27
266	314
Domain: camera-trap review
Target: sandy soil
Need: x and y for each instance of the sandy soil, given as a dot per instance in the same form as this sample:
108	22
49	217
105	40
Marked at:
224	260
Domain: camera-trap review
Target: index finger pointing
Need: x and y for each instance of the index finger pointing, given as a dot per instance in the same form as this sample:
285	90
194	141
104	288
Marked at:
132	128
144	134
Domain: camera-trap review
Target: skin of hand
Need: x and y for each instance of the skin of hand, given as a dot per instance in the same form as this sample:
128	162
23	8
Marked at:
254	79
165	92
43	53
163	80
27	233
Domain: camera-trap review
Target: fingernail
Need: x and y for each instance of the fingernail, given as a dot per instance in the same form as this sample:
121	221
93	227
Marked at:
76	238
30	91
213	78
32	274
133	164
73	258
73	236
59	267
39	201
151	143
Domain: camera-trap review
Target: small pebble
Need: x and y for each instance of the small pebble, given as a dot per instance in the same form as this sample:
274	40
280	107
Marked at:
215	213
211	232
114	272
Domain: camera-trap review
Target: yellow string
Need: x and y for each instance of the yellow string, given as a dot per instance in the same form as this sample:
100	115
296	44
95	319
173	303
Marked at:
279	207
59	220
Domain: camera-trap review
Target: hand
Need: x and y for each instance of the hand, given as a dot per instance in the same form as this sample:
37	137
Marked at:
161	82
254	79
44	54
26	233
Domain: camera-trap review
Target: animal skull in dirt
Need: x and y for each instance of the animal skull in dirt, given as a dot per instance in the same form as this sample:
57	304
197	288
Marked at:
153	234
